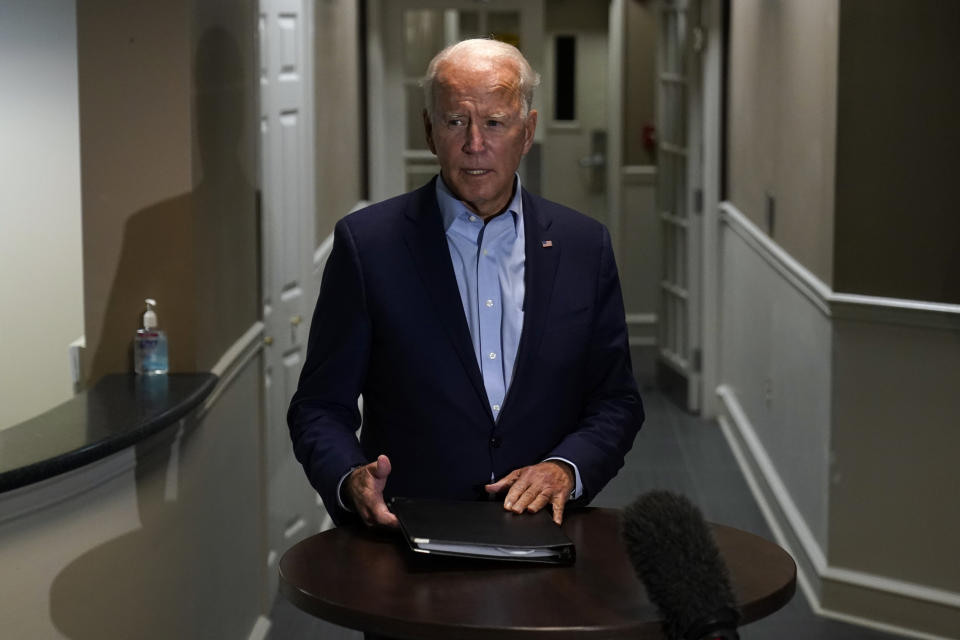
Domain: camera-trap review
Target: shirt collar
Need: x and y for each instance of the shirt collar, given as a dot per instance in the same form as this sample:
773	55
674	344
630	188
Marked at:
451	207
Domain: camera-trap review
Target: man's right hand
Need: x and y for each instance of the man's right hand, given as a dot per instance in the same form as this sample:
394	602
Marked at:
364	488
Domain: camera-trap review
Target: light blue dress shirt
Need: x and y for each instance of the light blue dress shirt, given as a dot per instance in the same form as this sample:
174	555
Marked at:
488	262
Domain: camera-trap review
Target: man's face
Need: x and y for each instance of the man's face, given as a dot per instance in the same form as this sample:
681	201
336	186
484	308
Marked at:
478	133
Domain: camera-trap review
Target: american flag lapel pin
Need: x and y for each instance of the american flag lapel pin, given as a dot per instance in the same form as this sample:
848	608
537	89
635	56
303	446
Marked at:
546	244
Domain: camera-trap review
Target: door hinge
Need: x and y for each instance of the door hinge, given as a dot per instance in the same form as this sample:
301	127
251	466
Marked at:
696	360
698	201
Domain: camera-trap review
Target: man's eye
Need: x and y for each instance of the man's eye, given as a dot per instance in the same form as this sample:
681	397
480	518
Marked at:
494	123
455	122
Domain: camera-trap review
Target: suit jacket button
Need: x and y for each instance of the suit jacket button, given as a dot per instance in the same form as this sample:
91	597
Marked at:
495	442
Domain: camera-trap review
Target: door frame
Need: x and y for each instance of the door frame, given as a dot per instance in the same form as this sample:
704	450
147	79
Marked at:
704	107
386	167
711	93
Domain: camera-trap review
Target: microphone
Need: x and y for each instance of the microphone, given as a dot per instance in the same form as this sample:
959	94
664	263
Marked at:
674	555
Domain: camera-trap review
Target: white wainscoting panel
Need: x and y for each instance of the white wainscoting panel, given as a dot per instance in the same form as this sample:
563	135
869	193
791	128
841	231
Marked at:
782	331
775	345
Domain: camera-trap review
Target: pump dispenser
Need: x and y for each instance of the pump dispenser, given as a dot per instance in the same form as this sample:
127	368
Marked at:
150	344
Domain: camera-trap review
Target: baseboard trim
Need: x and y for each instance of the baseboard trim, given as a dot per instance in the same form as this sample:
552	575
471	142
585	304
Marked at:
260	629
876	625
770	478
791	531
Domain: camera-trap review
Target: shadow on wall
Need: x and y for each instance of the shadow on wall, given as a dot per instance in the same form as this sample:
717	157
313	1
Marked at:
133	586
192	569
193	252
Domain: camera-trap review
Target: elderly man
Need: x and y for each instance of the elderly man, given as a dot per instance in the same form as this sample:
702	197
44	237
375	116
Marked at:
483	325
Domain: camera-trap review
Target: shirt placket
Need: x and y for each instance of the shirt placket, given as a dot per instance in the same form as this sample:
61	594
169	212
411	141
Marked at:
490	313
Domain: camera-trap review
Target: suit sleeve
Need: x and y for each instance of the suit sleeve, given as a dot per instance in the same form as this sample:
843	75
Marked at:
323	416
612	411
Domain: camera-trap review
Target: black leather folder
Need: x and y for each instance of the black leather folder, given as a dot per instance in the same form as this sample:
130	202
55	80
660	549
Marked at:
481	530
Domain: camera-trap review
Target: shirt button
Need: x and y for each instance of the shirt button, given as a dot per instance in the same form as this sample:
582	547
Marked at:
493	356
484	252
473	218
495	442
489	303
496	407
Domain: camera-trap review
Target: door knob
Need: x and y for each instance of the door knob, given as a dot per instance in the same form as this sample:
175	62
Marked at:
296	320
268	340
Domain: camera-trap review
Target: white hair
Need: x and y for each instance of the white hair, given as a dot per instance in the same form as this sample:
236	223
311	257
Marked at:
527	78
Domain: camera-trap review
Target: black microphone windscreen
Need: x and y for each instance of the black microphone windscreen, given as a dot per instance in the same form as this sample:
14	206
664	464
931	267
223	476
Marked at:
675	556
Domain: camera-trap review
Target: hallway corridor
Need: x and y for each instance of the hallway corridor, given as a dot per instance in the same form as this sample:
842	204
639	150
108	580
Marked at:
677	452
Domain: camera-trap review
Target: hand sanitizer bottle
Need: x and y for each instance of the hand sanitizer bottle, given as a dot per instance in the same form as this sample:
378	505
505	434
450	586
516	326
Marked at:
150	345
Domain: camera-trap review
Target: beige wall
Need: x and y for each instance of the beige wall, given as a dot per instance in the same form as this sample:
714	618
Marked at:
41	290
782	122
894	511
338	122
167	97
895	440
640	80
898	150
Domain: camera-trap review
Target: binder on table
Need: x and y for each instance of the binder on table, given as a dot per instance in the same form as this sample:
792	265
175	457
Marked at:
481	530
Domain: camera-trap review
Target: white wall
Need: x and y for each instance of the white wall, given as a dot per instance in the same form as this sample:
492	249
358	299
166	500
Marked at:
775	363
41	289
160	540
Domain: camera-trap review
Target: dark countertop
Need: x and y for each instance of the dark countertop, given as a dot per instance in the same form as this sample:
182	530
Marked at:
119	411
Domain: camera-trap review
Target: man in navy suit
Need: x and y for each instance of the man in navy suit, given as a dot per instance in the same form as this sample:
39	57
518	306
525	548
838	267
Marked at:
482	325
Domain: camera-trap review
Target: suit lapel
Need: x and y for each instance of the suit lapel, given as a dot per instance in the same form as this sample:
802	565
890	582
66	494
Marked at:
427	242
540	270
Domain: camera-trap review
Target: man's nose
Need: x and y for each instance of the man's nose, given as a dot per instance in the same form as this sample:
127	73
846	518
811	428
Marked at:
474	139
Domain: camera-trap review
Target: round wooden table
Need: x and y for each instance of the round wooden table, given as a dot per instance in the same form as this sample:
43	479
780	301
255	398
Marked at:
371	581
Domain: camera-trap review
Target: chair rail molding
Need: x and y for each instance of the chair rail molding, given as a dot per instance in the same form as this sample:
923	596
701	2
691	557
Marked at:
834	304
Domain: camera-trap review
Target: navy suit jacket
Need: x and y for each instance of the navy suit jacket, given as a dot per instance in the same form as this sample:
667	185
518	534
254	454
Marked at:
389	324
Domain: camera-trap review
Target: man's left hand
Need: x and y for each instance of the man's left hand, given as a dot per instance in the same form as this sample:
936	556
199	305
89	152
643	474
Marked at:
534	487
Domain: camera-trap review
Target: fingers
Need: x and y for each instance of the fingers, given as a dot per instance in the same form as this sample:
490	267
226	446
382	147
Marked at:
381	468
505	481
365	489
521	493
383	517
559	502
539	502
533	488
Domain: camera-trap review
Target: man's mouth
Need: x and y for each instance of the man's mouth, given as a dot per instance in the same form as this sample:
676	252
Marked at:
476	172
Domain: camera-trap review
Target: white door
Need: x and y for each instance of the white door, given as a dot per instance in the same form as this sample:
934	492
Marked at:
574	106
679	198
403	36
287	161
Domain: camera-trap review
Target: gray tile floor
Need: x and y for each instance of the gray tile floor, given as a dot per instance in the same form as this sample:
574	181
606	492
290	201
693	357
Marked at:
677	452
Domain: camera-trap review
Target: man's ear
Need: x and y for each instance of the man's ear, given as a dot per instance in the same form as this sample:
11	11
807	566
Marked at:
428	129
529	128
